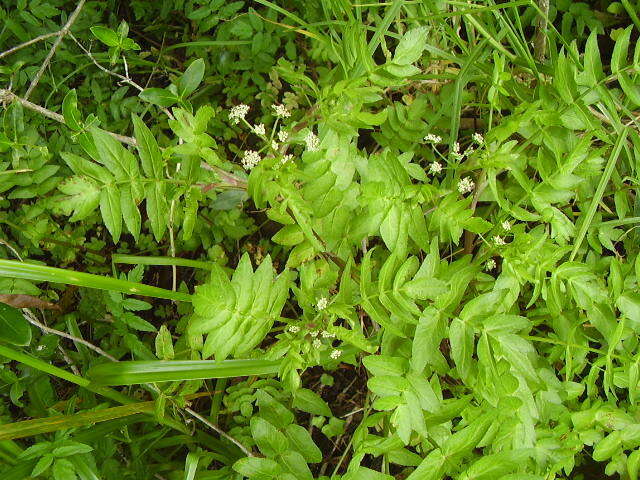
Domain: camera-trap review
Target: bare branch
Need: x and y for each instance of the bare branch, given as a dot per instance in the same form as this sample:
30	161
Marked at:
540	41
39	38
34	321
63	31
218	430
229	179
7	96
122	78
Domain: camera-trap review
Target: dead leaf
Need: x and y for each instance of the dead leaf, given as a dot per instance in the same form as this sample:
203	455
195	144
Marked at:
27	301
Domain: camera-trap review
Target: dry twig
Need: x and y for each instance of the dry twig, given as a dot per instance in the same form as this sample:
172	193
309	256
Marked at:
61	33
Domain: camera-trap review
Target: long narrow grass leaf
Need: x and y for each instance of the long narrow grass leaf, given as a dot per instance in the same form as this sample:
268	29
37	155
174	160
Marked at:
40	273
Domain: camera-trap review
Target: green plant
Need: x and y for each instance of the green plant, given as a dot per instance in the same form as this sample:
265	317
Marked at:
332	240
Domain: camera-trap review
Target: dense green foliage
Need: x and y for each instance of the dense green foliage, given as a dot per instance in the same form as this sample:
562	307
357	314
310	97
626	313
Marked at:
319	239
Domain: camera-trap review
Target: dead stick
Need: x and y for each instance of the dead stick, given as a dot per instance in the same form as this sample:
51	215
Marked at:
63	31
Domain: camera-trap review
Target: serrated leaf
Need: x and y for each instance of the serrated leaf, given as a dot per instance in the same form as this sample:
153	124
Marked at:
150	155
164	344
83	197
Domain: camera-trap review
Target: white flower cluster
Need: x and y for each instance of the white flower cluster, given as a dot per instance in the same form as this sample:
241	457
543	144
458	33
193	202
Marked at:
293	328
317	343
499	241
259	129
506	225
281	111
250	159
238	113
455	152
312	141
431	138
490	265
322	304
335	354
466	185
326	334
435	168
283	135
286	158
478	138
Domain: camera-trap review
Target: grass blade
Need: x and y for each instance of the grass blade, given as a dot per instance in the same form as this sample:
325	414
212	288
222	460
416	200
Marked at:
38	426
135	372
40	273
180	262
591	211
49	369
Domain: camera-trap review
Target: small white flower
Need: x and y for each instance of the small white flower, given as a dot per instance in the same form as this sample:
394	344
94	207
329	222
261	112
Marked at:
490	265
322	303
281	111
274	145
238	112
317	343
466	185
335	354
259	129
506	225
286	158
326	334
455	152
431	138
469	151
294	328
478	138
314	333
435	168
250	159
282	135
313	142
499	241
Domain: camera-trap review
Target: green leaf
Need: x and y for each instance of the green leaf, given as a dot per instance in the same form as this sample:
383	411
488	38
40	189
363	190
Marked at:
111	211
411	46
83	197
72	117
259	468
137	372
106	36
301	440
425	348
310	402
150	155
633	464
164	344
118	160
383	365
63	469
159	96
157	208
608	446
130	212
269	440
191	78
43	465
71	448
14	328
